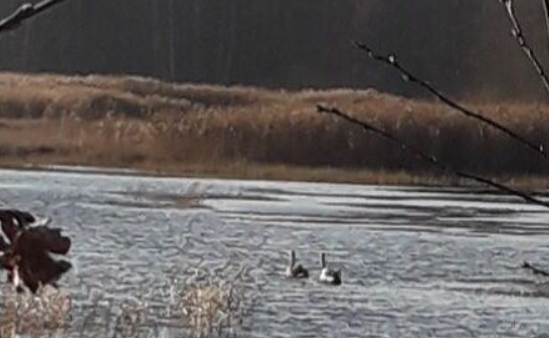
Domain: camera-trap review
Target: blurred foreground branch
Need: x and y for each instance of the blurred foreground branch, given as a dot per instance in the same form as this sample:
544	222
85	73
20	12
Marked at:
25	12
516	31
428	158
407	76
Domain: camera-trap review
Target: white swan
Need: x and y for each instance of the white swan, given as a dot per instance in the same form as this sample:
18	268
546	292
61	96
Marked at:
295	271
327	275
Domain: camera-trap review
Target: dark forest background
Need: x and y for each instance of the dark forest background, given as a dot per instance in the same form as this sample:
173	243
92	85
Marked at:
464	46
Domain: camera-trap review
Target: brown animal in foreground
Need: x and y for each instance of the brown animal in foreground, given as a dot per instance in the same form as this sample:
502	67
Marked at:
27	253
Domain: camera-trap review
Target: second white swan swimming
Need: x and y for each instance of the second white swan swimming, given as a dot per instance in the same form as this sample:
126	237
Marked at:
327	275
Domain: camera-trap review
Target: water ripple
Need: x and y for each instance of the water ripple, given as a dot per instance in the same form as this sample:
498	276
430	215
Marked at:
420	262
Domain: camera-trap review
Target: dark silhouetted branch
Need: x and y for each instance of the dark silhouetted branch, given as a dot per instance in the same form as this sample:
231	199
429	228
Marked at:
25	12
535	271
516	31
409	77
404	146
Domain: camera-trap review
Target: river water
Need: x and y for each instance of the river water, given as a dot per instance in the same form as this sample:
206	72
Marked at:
416	262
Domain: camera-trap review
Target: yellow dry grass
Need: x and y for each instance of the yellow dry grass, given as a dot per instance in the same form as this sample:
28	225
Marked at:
34	316
204	308
124	121
211	307
208	306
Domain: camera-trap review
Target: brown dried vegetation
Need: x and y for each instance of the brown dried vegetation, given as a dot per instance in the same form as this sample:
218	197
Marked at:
250	132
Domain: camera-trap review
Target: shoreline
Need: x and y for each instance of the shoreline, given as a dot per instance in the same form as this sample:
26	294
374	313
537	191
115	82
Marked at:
282	173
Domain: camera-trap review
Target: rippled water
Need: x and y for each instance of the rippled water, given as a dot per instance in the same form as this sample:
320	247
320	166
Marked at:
417	262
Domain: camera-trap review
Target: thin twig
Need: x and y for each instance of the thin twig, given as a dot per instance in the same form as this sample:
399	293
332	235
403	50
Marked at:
546	11
404	146
409	77
25	12
516	31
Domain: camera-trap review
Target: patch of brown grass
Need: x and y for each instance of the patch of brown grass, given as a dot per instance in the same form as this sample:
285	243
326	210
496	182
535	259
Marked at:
205	303
34	316
251	132
210	307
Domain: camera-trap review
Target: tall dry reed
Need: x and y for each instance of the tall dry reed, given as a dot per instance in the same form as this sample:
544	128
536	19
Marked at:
127	121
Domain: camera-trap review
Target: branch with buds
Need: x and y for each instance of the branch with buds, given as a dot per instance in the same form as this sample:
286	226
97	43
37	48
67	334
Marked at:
407	76
517	32
368	127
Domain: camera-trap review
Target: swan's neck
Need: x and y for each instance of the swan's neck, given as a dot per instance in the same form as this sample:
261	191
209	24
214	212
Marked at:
323	260
292	259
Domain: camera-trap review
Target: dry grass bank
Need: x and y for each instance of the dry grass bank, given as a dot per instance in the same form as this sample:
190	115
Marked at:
250	132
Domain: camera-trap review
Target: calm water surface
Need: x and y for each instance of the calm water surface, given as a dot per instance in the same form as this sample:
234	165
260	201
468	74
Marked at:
417	262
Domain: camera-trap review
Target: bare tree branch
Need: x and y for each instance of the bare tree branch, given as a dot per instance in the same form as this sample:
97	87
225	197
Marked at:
25	12
404	146
516	31
409	77
546	10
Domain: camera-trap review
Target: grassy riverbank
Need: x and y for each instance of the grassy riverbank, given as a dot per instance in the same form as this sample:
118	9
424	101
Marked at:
245	132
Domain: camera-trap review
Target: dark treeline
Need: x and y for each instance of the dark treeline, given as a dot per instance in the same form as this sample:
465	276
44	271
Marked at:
464	46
